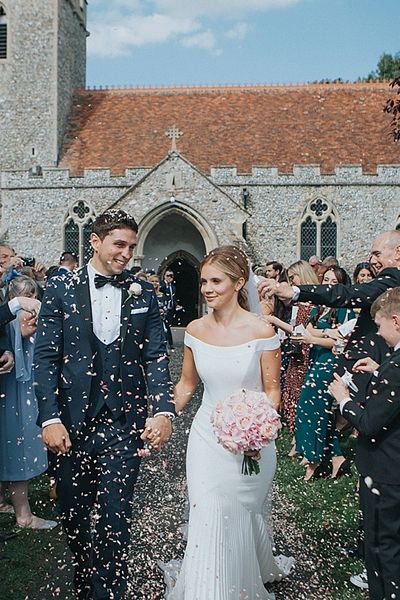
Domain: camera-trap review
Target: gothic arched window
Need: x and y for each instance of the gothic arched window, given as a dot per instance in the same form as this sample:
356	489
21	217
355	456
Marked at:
318	230
3	32
77	229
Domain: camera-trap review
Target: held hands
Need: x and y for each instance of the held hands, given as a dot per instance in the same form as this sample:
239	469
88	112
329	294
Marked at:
158	430
56	438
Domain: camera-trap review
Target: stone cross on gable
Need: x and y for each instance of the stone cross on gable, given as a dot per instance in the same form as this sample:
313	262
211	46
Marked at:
174	134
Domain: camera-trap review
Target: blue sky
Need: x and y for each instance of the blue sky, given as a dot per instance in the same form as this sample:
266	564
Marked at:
200	42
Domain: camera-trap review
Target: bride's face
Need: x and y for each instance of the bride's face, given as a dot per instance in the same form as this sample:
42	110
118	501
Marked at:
218	288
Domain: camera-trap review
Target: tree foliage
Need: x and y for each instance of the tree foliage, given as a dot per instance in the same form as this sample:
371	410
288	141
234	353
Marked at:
387	69
392	107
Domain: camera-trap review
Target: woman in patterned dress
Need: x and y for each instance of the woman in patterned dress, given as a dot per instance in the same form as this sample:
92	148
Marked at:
299	273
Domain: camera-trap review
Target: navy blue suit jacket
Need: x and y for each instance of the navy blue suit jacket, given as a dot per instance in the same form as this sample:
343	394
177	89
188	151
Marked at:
378	445
63	359
361	295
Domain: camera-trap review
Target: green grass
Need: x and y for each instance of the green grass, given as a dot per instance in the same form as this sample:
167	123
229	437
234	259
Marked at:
326	510
33	555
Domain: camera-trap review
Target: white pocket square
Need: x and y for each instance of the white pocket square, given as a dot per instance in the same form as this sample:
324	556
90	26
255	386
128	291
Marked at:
136	311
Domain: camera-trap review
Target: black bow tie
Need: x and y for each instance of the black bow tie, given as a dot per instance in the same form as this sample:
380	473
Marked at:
102	280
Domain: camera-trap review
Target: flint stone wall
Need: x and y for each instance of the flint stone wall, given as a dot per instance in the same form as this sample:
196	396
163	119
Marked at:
33	209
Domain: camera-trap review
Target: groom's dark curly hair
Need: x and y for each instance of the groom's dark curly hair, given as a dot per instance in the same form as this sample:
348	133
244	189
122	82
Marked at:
113	219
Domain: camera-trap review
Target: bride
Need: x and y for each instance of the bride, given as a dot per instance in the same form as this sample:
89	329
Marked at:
228	554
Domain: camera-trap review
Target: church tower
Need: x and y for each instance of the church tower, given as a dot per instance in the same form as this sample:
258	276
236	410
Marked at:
42	62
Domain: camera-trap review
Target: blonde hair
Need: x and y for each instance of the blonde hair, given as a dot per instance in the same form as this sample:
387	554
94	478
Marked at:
233	262
387	304
302	269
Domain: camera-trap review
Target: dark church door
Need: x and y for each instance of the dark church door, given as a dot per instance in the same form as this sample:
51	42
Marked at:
186	278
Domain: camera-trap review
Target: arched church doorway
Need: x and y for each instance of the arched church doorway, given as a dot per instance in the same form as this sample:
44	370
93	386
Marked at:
175	242
186	279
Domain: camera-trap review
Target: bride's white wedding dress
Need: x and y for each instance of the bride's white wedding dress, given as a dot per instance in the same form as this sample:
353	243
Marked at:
228	554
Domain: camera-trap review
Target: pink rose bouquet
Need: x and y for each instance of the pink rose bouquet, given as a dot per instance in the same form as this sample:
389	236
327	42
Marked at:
243	422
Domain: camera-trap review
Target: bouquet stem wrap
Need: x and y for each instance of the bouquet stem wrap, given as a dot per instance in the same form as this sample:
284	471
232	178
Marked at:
250	466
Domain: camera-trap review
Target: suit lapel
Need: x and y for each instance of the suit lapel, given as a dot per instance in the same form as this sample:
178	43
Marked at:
125	313
128	302
84	304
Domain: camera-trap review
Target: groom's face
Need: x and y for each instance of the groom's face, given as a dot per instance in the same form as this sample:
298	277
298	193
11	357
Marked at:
113	253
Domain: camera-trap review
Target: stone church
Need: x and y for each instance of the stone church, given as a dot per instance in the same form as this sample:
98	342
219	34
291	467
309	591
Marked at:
284	171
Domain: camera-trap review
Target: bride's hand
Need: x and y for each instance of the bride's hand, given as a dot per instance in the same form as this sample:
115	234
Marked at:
254	454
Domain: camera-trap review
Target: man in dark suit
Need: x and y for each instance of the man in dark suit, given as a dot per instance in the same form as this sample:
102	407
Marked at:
378	452
385	261
168	288
67	263
100	350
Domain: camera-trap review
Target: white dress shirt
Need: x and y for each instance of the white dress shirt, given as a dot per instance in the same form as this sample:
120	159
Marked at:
106	308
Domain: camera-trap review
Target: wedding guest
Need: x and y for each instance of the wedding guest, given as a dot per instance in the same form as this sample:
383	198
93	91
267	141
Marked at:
378	451
299	273
316	435
258	270
14	265
314	262
162	299
363	273
142	275
273	305
8	257
67	263
22	453
273	269
385	262
169	289
329	261
6	363
50	272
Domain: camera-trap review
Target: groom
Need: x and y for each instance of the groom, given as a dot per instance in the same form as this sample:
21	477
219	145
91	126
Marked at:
100	350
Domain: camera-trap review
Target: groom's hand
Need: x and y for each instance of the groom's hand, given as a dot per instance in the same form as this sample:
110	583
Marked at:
158	430
56	438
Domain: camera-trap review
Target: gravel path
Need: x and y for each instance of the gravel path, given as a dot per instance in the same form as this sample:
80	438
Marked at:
159	508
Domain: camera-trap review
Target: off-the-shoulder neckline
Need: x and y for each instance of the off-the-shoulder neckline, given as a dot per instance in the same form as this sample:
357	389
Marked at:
273	337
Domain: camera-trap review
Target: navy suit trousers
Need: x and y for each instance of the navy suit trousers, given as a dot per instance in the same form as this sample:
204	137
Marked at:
380	506
99	472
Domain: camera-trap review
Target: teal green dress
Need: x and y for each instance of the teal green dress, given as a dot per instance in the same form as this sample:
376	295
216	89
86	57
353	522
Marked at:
316	434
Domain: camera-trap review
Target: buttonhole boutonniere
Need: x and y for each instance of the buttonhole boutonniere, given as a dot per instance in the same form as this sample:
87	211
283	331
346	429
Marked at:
134	291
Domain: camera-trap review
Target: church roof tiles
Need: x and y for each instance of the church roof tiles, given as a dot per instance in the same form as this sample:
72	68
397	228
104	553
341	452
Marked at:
240	126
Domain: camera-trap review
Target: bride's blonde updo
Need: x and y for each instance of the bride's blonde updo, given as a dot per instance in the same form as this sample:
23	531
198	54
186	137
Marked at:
233	262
